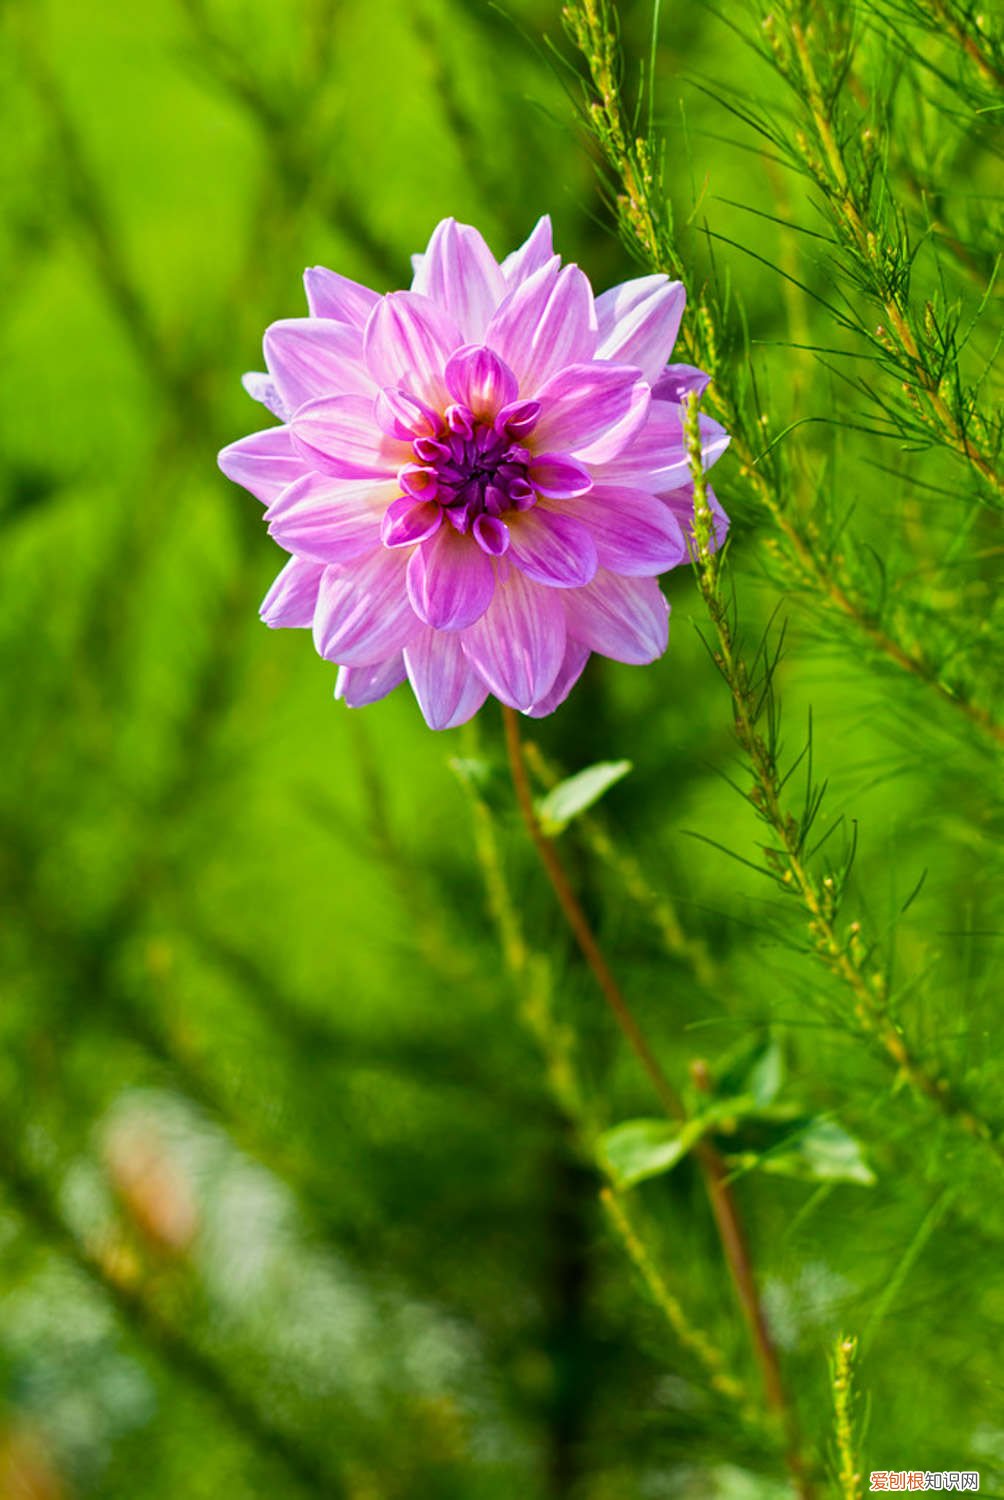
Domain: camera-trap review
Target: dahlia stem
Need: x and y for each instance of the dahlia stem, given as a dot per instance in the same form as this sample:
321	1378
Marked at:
723	1204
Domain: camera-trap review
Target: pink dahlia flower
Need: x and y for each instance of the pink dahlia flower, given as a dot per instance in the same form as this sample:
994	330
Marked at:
478	480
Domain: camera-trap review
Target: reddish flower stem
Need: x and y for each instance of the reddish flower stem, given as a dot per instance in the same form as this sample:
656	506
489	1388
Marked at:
722	1200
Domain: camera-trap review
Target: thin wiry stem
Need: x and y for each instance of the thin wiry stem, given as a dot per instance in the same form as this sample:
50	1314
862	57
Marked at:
716	1179
851	214
645	221
848	1468
845	956
531	973
971	42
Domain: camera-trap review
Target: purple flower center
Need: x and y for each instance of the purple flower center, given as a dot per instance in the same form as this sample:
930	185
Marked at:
473	471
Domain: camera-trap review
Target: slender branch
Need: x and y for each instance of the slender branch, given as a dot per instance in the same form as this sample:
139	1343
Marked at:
946	16
723	1205
845	955
694	1339
850	214
645	220
849	1471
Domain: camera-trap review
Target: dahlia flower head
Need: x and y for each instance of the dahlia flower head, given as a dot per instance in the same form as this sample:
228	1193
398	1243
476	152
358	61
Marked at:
478	480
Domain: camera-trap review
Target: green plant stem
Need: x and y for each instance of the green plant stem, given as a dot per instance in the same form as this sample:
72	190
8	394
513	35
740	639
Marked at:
844	955
644	215
851	215
716	1180
530	972
848	1471
694	1339
945	16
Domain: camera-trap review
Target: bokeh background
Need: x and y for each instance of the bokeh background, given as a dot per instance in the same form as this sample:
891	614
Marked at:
287	1205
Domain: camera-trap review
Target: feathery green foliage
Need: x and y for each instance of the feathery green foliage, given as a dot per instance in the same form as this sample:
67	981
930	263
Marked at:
304	1088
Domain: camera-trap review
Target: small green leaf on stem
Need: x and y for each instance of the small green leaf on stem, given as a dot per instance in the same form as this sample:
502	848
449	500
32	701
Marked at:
571	797
638	1149
822	1151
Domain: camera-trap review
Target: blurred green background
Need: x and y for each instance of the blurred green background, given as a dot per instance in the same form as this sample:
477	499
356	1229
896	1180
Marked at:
286	1204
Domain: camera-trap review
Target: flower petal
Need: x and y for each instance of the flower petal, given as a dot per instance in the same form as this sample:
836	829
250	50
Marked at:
483	382
592	411
545	323
561	478
292	599
448	689
680	504
403	416
634	532
536	250
657	460
518	645
576	656
330	295
309	357
678	381
329	520
409	521
460	273
626	618
357	686
639	321
264	463
450	580
363	614
261	387
408	341
552	548
339	435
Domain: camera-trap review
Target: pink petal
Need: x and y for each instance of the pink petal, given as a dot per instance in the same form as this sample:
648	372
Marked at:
552	548
460	273
363	615
408	341
483	382
678	381
332	296
358	686
340	436
403	416
534	252
450	580
576	656
547	322
561	478
634	532
518	645
329	520
591	410
657	460
639	321
310	357
292	599
264	463
408	521
680	504
261	387
449	692
626	618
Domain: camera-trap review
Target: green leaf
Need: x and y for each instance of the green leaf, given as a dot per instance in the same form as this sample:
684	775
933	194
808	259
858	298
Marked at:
822	1152
573	796
751	1074
643	1148
766	1075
